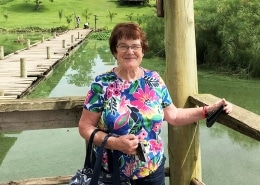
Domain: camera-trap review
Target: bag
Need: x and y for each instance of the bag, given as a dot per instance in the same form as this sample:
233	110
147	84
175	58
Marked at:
91	174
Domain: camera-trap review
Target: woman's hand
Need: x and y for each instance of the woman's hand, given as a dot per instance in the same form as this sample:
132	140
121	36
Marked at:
227	106
127	144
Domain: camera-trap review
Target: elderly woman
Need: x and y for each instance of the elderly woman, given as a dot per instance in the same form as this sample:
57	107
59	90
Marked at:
132	102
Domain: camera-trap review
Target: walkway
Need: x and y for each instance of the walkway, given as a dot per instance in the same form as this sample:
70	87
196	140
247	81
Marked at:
39	60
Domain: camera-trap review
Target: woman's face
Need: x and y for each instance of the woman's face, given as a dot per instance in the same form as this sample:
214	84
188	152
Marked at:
129	53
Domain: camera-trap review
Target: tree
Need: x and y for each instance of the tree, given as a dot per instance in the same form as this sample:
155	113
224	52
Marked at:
60	14
86	14
37	4
69	18
111	15
130	16
5	14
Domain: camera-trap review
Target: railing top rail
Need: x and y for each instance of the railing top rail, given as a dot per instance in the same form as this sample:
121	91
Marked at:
241	120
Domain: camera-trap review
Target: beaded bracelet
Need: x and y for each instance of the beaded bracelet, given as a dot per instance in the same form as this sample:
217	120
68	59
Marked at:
204	111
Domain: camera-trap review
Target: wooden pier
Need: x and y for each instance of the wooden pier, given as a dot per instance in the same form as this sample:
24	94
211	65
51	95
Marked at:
21	71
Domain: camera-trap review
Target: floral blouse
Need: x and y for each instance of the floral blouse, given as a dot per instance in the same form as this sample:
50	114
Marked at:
132	108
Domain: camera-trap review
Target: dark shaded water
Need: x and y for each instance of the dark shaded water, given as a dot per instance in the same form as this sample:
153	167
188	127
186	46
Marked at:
228	158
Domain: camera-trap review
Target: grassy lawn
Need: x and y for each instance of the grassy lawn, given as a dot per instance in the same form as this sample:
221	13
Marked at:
21	15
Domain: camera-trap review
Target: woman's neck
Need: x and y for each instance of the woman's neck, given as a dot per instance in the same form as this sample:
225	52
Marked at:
129	74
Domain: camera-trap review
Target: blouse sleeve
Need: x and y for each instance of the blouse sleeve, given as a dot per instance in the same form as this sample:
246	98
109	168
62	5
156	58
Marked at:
166	98
94	99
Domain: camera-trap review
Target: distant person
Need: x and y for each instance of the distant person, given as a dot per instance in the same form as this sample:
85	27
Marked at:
77	21
86	25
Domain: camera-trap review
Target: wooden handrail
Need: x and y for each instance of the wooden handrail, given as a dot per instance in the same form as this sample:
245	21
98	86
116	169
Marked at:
240	120
65	112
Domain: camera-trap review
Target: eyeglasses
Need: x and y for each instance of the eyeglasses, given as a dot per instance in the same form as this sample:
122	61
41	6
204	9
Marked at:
124	48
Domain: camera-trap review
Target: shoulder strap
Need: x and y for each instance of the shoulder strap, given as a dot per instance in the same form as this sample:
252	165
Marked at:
87	162
97	167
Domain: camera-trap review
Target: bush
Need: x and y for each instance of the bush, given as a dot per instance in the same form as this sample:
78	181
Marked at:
227	37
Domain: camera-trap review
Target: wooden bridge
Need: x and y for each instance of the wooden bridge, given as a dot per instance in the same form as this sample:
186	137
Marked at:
32	114
21	71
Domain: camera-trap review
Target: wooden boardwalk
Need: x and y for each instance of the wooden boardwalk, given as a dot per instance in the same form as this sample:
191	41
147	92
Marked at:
37	63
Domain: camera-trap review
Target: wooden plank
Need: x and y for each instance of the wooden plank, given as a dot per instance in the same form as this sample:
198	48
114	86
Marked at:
240	119
40	181
35	104
44	119
65	180
36	61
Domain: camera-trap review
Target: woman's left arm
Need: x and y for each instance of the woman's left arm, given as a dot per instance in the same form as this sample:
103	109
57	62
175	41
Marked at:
184	116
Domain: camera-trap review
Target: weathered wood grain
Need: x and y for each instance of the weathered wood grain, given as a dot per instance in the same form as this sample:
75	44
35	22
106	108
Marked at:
36	62
241	120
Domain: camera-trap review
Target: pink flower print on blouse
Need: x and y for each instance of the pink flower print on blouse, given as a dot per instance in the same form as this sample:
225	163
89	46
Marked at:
111	86
89	95
109	93
142	135
122	85
144	101
116	92
128	169
123	105
155	146
157	127
112	90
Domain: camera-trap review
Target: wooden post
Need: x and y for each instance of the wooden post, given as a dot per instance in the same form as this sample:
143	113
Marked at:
63	43
54	34
2	93
181	80
28	44
1	52
72	38
42	38
78	35
23	70
48	52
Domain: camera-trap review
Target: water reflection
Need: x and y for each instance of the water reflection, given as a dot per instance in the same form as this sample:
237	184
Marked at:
74	75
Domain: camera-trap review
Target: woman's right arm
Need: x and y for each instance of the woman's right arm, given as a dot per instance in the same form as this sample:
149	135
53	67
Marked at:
88	123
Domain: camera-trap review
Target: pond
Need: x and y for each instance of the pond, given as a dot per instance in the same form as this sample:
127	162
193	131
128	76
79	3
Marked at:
227	157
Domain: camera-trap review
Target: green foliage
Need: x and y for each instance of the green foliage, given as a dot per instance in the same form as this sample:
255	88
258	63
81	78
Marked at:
227	36
69	18
111	15
86	14
154	28
130	16
102	35
5	14
60	14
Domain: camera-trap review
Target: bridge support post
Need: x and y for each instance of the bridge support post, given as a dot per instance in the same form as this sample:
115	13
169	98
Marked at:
23	69
181	79
1	52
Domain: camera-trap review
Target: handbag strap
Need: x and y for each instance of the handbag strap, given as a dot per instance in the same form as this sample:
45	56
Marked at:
97	168
87	162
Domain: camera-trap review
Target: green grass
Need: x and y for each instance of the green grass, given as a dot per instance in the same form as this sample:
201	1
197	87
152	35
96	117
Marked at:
16	41
22	14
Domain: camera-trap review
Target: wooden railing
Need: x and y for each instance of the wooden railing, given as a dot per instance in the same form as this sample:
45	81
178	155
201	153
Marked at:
33	114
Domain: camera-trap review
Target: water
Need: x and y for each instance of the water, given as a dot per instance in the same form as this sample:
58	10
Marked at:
228	158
